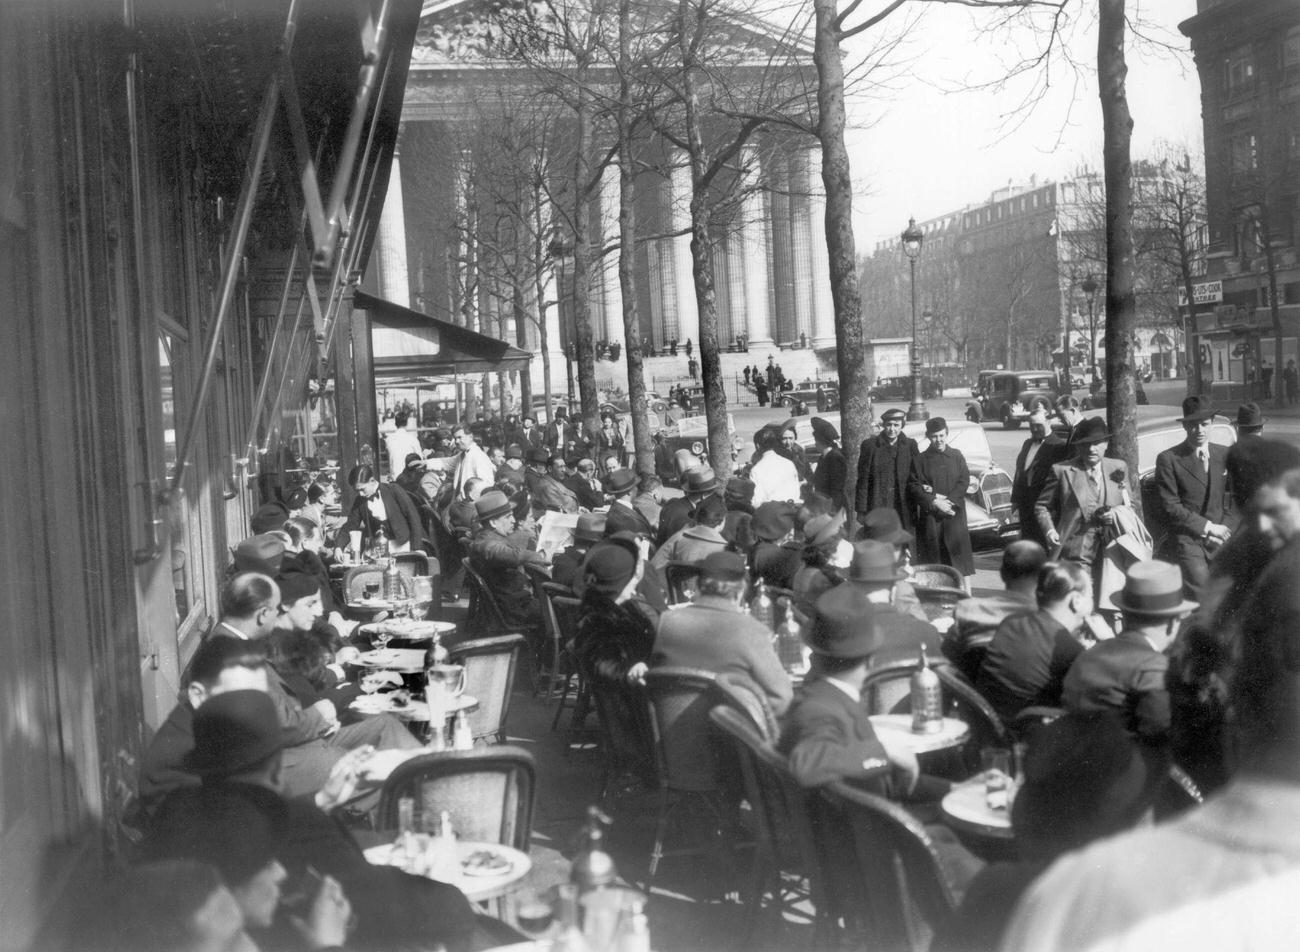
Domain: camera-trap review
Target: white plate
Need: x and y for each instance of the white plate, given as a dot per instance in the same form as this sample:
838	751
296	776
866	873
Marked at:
408	629
394	659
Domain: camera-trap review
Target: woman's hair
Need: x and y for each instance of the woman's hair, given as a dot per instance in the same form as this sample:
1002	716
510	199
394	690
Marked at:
1058	580
298	652
360	475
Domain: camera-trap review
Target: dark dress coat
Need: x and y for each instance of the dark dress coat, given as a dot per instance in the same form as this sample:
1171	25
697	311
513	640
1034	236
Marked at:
1124	674
832	475
1026	663
1028	481
939	538
827	736
623	518
1189	499
881	486
499	560
675	516
776	564
403	524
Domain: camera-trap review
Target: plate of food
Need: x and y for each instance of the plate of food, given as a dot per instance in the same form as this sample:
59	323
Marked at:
486	862
394	659
408	628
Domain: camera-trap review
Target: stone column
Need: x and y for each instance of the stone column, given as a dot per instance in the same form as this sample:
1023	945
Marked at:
663	267
612	291
783	318
688	315
823	304
390	242
736	316
756	256
801	245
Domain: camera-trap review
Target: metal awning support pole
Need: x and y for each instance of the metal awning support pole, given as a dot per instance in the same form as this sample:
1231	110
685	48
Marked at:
265	383
234	253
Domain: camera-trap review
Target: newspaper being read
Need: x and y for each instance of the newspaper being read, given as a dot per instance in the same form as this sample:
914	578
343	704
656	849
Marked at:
555	532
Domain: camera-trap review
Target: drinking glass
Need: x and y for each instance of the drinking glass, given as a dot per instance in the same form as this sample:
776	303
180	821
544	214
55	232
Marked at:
996	765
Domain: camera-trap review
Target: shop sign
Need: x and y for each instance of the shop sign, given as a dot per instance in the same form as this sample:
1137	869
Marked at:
1207	292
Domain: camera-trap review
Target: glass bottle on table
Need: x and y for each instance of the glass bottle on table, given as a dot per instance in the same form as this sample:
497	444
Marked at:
761	607
927	698
570	938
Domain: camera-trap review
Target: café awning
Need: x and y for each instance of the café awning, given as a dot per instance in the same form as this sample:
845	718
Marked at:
408	343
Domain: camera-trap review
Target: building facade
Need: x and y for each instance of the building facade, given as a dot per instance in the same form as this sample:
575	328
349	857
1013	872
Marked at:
1247	54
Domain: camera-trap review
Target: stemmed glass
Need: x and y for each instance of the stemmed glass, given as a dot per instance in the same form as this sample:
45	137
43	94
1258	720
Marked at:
381	639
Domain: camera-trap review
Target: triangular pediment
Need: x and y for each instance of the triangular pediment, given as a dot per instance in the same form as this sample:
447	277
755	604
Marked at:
457	34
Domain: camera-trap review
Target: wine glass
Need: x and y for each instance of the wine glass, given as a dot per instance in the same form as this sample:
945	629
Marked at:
381	639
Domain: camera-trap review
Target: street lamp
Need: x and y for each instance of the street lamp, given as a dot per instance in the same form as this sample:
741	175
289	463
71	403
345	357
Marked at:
1089	288
912	238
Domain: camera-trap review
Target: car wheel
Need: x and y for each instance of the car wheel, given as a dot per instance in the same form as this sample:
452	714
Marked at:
1009	422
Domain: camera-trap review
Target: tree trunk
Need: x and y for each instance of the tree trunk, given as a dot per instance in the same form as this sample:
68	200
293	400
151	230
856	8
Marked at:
539	256
855	371
1121	303
584	352
642	433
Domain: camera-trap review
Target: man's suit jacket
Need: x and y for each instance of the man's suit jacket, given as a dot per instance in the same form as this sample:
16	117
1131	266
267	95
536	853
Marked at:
551	494
1067	505
1189	497
1124	674
827	736
623	518
1028	482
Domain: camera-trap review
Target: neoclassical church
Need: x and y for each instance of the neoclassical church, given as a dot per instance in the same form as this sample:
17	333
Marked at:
468	237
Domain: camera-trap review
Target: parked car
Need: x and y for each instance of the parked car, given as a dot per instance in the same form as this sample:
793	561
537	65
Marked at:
654	402
900	388
1011	395
823	395
692	433
989	512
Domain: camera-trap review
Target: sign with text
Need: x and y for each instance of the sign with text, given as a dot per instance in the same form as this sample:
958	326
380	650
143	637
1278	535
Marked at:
1208	292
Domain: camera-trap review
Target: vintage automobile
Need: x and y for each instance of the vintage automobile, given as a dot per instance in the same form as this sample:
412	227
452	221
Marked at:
990	516
692	433
1011	395
655	403
900	388
822	394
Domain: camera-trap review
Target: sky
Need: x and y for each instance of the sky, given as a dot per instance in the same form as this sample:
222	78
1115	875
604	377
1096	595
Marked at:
921	145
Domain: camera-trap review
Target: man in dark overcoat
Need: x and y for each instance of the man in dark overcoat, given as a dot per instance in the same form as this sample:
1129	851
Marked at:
884	467
938	486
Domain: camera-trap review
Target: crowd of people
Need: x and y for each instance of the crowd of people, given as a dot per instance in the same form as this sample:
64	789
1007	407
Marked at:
1115	670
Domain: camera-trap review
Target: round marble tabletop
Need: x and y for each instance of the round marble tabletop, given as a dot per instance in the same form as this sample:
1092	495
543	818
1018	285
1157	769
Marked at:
897	728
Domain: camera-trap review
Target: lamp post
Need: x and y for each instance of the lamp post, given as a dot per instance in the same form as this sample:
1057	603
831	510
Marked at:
1089	288
912	238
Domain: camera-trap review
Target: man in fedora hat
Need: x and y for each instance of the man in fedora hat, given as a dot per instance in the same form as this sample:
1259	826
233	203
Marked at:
620	488
1033	465
1075	509
871	578
1250	421
498	553
535	460
677	513
884	465
938	484
699	538
832	473
714	633
589	531
883	525
1191	482
1127	672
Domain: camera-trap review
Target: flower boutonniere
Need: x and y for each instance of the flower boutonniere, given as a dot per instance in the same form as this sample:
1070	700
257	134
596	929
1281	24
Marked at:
1120	478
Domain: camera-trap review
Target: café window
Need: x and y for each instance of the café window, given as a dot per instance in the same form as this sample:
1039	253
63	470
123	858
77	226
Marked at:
1245	155
1239	72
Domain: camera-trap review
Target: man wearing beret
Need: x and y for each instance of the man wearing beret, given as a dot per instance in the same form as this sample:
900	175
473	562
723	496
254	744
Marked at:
1191	480
938	486
884	466
498	553
714	633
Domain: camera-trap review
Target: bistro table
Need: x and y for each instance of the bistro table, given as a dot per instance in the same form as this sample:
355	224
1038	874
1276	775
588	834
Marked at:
476	887
983	830
897	728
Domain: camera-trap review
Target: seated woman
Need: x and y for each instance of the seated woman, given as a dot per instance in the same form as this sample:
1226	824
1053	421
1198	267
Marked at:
303	553
302	658
617	630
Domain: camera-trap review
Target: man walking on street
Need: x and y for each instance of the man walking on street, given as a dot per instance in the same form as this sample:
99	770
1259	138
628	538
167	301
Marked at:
1033	465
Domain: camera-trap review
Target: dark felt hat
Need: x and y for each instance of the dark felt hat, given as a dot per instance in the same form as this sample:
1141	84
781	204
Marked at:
269	516
514	451
724	566
1249	415
1090	430
824	430
844	624
591	527
538	455
873	561
884	525
609	565
295	584
773	520
738	489
233	731
819	530
260	553
934	425
697	482
1196	409
618	482
492	504
1153	589
1084	778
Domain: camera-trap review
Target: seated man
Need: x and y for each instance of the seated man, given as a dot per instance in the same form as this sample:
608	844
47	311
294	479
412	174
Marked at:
566	564
777	557
497	553
700	537
714	633
976	619
236	754
1029	655
622	516
1127	673
697	485
871	578
883	525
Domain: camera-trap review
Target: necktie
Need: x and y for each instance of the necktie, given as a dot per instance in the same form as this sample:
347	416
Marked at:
1204	456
